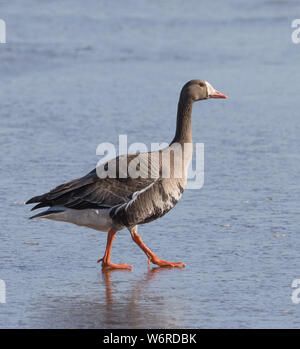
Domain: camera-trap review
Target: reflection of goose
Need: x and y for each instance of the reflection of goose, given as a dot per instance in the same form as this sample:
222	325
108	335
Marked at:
106	275
109	302
111	204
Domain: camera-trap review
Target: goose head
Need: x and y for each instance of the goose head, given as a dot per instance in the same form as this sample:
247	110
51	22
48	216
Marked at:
196	90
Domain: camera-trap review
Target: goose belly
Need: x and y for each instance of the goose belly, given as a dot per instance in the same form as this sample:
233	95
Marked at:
98	219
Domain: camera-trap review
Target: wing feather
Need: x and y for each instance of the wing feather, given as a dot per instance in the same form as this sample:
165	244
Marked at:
91	191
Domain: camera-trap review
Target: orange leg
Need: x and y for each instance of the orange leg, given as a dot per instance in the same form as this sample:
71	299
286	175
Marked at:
151	256
106	263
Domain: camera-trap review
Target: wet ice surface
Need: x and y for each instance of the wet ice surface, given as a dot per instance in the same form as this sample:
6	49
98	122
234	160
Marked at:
76	74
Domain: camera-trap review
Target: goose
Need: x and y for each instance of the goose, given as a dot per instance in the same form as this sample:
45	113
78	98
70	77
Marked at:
112	203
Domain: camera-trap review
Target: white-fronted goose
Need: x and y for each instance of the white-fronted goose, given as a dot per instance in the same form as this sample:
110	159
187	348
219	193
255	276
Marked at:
111	204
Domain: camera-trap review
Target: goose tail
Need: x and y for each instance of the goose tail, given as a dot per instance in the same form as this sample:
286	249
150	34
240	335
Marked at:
47	213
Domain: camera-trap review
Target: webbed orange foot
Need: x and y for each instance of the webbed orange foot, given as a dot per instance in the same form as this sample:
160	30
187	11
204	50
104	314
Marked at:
152	258
165	264
107	265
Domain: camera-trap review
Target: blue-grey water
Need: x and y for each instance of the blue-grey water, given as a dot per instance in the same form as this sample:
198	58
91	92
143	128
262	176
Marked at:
75	74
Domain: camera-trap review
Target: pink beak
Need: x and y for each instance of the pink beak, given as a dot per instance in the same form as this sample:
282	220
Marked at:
217	94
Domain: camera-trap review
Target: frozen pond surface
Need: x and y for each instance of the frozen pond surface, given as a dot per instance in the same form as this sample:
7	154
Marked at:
75	74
